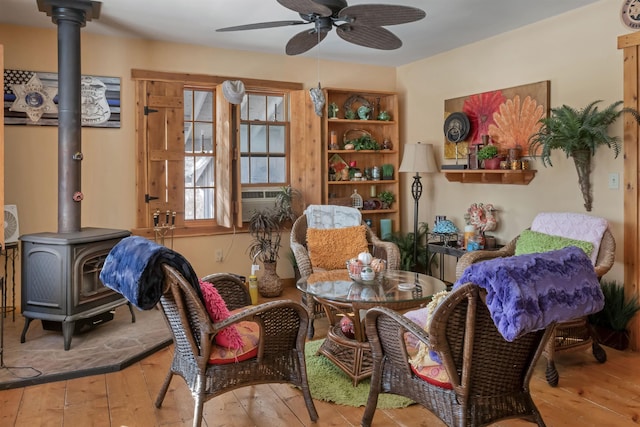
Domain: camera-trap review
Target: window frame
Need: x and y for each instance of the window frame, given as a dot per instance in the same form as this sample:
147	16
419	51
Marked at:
228	211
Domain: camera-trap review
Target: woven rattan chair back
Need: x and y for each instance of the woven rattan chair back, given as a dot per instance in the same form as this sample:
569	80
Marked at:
283	325
575	335
231	288
489	375
379	248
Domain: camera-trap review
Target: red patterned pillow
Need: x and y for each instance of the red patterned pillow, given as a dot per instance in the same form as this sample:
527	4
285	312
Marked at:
430	370
250	336
435	374
217	309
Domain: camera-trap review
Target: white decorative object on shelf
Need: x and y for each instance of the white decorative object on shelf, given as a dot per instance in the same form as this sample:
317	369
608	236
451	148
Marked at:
356	200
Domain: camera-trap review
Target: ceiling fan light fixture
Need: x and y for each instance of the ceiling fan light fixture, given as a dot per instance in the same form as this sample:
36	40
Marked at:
360	24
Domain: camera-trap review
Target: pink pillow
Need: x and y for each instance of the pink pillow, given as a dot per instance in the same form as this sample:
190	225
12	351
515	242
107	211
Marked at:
218	311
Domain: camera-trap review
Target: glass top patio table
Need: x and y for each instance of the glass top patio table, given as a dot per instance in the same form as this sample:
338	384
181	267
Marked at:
392	288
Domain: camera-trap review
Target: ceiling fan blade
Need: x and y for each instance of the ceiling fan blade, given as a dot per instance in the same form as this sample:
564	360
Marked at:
373	37
303	41
306	7
261	25
381	14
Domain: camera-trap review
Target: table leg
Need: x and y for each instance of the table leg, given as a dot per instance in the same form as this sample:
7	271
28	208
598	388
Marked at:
351	356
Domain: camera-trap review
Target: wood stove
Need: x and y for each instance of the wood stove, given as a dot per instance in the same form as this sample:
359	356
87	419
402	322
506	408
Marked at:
60	280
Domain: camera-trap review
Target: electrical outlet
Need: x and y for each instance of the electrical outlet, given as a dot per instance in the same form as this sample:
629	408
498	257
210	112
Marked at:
219	255
614	181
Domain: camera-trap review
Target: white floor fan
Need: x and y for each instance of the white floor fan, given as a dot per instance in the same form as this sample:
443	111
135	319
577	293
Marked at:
11	229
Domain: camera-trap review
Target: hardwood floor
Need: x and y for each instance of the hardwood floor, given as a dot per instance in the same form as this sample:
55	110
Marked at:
589	394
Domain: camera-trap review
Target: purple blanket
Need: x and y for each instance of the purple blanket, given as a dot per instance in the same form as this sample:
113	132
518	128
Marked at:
526	293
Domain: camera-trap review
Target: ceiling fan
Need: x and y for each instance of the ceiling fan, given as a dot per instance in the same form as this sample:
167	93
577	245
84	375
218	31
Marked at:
360	24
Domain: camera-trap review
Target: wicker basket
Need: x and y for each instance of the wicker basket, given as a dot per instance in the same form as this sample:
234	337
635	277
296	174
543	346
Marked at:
352	134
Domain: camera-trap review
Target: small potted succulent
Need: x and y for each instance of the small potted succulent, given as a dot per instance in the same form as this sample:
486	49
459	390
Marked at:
489	154
387	171
387	198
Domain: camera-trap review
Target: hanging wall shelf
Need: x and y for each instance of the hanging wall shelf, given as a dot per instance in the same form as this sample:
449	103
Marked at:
484	176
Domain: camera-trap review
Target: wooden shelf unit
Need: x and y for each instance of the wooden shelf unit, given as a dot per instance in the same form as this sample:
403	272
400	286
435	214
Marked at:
485	176
336	192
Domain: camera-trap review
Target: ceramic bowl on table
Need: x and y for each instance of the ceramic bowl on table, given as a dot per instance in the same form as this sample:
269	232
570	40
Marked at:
361	272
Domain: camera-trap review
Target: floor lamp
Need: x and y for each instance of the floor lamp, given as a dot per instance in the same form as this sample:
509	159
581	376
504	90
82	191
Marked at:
417	158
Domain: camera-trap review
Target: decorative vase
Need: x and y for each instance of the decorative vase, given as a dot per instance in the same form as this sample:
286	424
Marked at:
270	284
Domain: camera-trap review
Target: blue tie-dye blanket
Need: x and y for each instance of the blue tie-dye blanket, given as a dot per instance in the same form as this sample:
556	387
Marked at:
529	292
133	268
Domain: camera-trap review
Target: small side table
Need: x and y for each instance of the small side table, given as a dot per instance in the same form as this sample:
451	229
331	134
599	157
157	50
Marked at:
451	248
10	253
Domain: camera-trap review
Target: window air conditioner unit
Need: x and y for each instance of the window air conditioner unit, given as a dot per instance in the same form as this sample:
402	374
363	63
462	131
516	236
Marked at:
257	198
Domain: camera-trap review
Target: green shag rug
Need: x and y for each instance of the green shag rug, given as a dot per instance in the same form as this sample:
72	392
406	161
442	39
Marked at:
327	382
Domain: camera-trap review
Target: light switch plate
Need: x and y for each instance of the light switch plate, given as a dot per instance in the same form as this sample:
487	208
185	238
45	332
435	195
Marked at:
614	181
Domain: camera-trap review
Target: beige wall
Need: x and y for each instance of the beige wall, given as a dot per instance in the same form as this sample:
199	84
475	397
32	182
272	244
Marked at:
577	52
108	180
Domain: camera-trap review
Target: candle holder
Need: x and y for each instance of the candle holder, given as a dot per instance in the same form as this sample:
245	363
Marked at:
165	229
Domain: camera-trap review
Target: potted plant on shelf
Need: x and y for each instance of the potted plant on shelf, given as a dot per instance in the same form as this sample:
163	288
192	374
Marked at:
578	133
612	321
264	228
387	198
387	171
489	154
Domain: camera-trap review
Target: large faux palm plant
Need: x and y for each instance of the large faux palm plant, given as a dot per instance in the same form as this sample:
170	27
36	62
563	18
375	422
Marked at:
613	320
579	133
404	241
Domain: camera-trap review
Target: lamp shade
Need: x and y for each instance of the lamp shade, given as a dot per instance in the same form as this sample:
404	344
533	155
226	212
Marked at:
418	158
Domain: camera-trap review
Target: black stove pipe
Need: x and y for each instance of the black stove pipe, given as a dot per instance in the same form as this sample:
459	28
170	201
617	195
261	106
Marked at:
69	16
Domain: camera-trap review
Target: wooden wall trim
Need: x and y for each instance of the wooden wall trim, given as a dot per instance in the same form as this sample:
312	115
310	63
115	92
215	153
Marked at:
629	40
204	79
631	75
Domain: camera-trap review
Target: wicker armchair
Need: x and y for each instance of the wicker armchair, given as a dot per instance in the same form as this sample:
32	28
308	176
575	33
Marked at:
489	375
378	248
280	358
568	336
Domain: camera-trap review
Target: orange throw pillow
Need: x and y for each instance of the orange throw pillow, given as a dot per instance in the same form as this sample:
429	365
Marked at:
331	248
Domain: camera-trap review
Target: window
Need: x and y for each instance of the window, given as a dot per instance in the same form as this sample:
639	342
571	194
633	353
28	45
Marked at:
199	149
195	150
264	130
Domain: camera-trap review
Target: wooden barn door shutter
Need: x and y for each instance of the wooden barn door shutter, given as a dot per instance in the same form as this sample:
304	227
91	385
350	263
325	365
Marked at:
164	114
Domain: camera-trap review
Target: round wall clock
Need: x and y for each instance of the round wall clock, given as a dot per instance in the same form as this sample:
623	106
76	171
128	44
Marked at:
457	127
630	14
